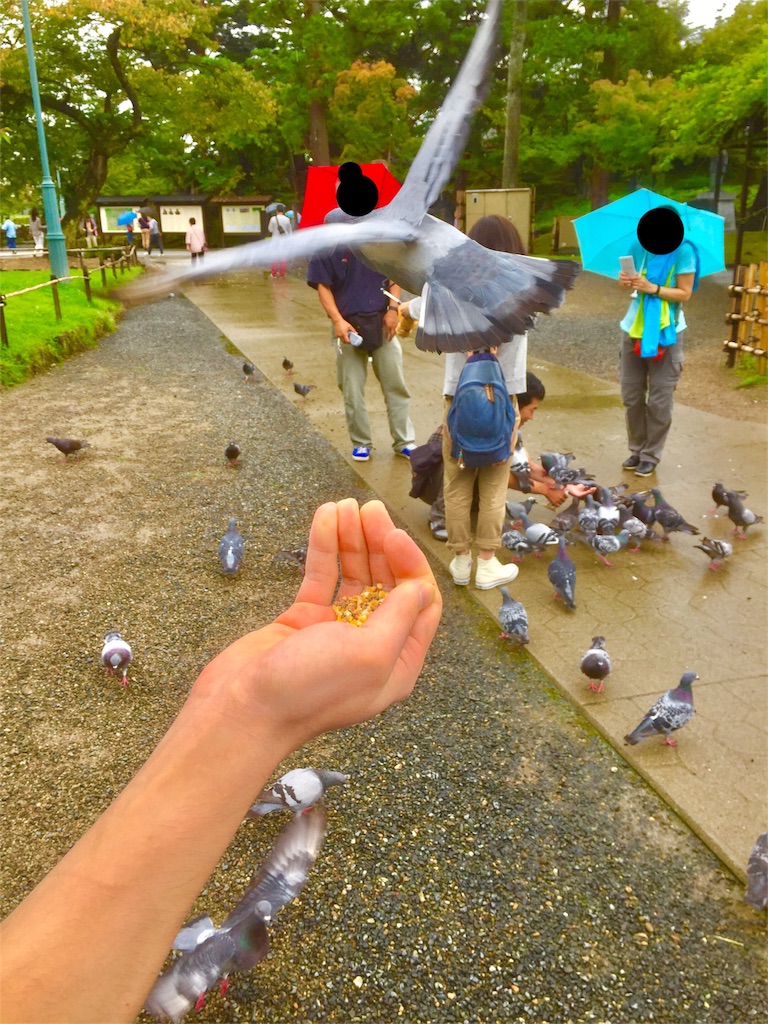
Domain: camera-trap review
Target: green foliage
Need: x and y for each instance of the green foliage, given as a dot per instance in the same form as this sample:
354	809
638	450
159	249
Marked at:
37	340
752	372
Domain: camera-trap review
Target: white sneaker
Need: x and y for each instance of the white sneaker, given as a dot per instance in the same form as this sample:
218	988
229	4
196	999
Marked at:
491	573
461	569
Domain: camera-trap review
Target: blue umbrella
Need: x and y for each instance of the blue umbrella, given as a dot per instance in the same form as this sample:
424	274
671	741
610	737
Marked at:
610	232
274	208
126	218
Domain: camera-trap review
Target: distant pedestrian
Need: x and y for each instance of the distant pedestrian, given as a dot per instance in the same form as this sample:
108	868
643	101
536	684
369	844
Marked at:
144	228
195	240
278	225
155	238
90	230
10	234
36	230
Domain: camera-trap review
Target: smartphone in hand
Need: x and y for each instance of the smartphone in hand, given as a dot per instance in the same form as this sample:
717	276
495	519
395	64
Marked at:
627	265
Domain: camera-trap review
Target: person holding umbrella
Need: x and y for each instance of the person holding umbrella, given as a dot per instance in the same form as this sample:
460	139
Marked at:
126	220
278	225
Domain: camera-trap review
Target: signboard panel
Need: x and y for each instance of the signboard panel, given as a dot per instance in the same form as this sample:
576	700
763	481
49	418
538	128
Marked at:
241	219
176	218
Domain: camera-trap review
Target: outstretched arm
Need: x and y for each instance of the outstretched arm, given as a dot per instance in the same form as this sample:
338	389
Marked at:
122	892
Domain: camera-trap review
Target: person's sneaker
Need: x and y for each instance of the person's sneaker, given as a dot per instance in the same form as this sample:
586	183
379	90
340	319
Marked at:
360	453
491	573
438	532
407	450
645	469
461	569
631	463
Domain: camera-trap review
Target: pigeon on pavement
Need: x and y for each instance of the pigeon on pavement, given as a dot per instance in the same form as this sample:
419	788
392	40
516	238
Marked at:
520	467
211	953
565	521
296	791
589	516
562	575
116	655
670	712
757	874
668	518
473	297
67	445
717	550
741	517
231	549
722	495
607	513
636	529
513	619
596	664
249	369
232	453
303	389
516	510
287	364
539	534
608	544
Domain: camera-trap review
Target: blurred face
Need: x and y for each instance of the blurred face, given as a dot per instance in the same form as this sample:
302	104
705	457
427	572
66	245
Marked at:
529	411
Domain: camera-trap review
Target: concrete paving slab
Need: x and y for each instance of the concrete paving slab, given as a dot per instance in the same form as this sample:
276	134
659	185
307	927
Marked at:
661	610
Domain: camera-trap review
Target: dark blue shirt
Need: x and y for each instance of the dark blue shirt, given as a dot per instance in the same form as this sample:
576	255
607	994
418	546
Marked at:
356	288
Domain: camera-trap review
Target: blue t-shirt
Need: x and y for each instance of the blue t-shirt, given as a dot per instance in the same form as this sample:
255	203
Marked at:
684	264
356	288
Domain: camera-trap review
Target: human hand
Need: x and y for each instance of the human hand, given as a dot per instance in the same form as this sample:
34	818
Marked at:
556	495
642	284
626	280
579	490
306	673
342	328
390	324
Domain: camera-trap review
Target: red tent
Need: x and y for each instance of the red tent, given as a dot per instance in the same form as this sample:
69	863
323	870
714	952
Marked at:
320	196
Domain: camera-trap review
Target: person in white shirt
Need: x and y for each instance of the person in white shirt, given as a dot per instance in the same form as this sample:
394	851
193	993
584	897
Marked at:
278	225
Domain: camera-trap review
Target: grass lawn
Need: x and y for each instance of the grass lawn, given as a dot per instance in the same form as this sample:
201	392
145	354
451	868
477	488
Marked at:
36	339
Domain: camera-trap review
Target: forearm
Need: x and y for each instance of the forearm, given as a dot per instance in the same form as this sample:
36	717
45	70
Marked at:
102	922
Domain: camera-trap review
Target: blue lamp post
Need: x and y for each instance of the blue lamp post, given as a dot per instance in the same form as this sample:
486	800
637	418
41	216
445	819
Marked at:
57	247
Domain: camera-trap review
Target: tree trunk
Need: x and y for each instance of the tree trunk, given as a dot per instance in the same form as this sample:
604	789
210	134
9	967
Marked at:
600	176
509	172
83	190
318	134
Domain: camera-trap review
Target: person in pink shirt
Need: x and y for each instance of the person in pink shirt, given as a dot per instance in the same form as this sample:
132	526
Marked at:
195	240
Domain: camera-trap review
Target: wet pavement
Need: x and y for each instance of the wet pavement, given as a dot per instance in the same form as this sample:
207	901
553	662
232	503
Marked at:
661	610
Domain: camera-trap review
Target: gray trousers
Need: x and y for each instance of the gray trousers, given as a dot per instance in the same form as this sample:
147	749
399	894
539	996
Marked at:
648	393
351	374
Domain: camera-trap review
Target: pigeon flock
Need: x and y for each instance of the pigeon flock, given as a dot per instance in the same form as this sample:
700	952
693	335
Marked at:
208	955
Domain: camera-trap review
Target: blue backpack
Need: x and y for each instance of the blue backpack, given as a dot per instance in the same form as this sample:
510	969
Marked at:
481	418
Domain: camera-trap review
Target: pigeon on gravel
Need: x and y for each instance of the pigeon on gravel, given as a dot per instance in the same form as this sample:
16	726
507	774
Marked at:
722	495
232	453
716	550
116	655
757	874
287	365
562	575
741	517
473	297
210	953
67	445
249	369
296	555
604	544
303	389
668	518
596	664
513	619
296	791
670	712
516	510
231	548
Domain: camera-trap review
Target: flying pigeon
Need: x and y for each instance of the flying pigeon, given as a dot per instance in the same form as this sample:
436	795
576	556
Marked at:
231	549
211	953
562	575
249	369
303	389
472	297
717	550
517	509
757	874
722	495
287	364
605	544
741	517
116	655
670	712
668	518
67	445
596	664
296	791
557	467
513	619
232	452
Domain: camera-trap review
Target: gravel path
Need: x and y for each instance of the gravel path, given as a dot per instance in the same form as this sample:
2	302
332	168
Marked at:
491	860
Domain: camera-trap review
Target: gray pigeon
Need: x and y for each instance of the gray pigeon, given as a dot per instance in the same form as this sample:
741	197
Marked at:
517	509
722	495
607	512
717	550
668	518
558	469
296	791
670	712
596	664
514	541
296	555
67	445
303	389
636	529
232	453
539	534
210	953
249	369
565	521
472	297
607	544
757	874
231	549
588	516
520	468
741	517
116	655
513	619
562	575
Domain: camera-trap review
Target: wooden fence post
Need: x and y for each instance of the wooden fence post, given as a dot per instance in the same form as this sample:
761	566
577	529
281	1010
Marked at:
103	271
55	293
3	330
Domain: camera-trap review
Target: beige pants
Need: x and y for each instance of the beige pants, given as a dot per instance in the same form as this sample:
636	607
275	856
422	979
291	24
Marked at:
459	490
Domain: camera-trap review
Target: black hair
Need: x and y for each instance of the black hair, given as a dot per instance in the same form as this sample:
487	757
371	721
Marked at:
192	220
533	389
497	233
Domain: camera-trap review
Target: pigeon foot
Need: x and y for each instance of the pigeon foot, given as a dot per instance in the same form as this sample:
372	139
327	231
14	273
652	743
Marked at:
200	1002
669	742
605	561
596	689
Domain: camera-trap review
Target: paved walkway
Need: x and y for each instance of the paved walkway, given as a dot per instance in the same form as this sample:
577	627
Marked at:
661	610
